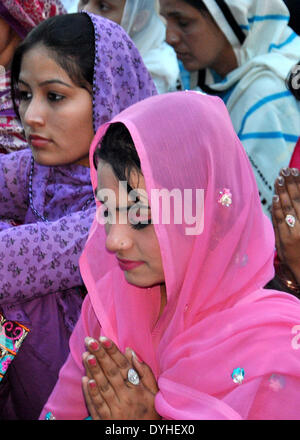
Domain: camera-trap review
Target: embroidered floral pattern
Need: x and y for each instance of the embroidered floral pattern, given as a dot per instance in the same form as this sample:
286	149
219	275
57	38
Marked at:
12	334
37	258
225	197
127	72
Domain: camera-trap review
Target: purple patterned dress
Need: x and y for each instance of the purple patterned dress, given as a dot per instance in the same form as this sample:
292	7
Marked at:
40	282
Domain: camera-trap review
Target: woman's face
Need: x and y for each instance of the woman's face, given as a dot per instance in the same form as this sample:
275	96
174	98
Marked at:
57	115
111	9
197	40
8	43
135	245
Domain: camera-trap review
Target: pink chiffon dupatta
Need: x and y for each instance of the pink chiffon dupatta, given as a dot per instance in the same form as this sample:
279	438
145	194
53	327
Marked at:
224	348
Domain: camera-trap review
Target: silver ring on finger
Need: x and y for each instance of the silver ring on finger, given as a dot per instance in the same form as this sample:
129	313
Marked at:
290	220
133	377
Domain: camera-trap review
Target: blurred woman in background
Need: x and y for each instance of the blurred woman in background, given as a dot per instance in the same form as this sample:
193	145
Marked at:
142	23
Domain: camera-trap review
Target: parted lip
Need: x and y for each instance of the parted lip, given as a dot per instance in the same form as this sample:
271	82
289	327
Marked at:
128	264
182	54
37	137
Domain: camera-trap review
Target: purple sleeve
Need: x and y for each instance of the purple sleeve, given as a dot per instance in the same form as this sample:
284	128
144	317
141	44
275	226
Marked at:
42	258
14	173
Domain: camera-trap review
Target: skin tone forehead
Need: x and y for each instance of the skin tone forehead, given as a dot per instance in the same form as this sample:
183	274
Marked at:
111	9
44	59
176	8
49	70
120	3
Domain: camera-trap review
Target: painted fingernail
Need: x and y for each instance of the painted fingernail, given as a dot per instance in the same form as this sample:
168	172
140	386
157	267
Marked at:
295	172
92	343
286	171
275	198
92	383
130	352
280	181
105	342
92	361
134	355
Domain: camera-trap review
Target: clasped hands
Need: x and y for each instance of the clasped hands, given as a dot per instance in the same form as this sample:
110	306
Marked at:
108	393
286	202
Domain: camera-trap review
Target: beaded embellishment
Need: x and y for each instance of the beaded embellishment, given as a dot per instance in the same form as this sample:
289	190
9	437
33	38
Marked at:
225	197
49	416
238	375
290	220
276	382
12	335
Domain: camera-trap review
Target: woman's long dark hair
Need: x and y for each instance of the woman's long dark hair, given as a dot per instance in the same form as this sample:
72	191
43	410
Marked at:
118	150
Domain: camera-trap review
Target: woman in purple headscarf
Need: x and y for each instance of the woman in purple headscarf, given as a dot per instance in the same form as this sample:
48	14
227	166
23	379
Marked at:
17	18
70	74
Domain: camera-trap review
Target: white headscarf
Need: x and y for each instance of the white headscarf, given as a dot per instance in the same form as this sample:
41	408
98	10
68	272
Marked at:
70	5
143	24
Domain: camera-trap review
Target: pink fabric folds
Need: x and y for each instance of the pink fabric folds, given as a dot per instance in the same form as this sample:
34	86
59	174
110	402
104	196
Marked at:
218	317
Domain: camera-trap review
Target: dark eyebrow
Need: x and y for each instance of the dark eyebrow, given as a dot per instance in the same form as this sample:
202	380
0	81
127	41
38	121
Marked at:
174	14
49	81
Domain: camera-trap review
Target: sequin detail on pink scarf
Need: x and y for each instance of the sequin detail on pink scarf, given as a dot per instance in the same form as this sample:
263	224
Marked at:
12	335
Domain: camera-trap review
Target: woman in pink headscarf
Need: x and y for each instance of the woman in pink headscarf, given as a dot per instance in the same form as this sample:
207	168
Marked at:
17	18
183	289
